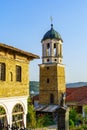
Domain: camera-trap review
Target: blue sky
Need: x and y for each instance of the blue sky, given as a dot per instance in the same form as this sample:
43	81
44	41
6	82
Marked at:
24	22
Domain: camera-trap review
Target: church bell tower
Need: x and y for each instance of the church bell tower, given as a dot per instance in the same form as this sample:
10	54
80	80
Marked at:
52	71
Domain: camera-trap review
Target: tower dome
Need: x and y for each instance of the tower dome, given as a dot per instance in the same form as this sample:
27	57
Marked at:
52	34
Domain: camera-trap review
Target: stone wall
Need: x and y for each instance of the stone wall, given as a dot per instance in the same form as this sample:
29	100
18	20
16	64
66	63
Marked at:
12	88
55	73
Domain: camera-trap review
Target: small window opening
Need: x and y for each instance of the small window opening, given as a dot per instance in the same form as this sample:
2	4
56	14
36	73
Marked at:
51	98
48	45
48	49
2	71
47	68
60	50
11	76
47	60
55	49
18	73
48	80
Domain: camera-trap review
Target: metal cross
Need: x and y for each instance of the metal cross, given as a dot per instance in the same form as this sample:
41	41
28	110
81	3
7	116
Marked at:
51	19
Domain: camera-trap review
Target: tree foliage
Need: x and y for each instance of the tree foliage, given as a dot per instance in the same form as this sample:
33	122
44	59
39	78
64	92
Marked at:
2	110
31	116
44	120
39	120
85	110
73	115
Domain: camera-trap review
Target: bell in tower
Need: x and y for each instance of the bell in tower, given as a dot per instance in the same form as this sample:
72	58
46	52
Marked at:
52	47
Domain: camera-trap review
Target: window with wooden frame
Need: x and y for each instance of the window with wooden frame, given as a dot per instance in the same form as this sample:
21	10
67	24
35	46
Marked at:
18	73
2	71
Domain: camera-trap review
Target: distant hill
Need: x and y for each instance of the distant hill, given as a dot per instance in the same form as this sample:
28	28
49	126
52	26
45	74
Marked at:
76	84
34	86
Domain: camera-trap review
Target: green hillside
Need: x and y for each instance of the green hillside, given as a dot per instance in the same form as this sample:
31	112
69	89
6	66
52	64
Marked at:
34	86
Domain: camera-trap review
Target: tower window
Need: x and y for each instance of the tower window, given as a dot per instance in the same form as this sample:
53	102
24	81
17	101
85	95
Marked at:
60	50
48	80
48	49
47	68
48	45
18	73
55	49
2	71
51	98
47	60
54	45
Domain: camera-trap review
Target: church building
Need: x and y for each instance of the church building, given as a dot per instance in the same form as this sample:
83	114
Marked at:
14	85
52	72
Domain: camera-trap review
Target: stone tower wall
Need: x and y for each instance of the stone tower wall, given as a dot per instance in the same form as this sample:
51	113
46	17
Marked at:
52	81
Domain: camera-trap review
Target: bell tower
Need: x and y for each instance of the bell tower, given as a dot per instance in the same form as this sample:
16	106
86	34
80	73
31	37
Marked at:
52	71
52	48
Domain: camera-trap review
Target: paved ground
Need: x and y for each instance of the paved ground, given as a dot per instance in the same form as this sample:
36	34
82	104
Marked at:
53	127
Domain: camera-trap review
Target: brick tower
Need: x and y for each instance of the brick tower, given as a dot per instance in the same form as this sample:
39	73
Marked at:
52	71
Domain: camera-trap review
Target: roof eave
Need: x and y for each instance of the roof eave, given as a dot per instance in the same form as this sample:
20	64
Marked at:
16	50
51	39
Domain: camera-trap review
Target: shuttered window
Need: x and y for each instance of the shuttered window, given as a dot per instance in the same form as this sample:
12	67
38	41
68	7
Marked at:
2	71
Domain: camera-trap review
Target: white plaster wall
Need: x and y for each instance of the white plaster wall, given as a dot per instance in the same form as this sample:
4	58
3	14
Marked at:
9	103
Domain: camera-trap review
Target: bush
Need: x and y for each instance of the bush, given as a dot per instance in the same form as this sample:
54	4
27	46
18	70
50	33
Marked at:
73	115
85	127
71	123
44	120
48	120
39	121
31	116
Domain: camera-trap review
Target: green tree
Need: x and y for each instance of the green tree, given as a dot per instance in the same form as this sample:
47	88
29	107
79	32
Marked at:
40	120
71	123
73	115
44	120
31	116
85	110
2	110
48	120
85	117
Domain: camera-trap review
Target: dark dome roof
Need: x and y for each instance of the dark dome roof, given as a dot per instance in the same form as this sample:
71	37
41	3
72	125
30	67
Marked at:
52	34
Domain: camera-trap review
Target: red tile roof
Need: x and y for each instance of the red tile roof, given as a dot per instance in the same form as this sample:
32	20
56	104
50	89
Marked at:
83	102
78	94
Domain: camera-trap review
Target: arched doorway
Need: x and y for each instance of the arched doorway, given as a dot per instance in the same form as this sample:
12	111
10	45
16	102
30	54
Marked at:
3	118
18	116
